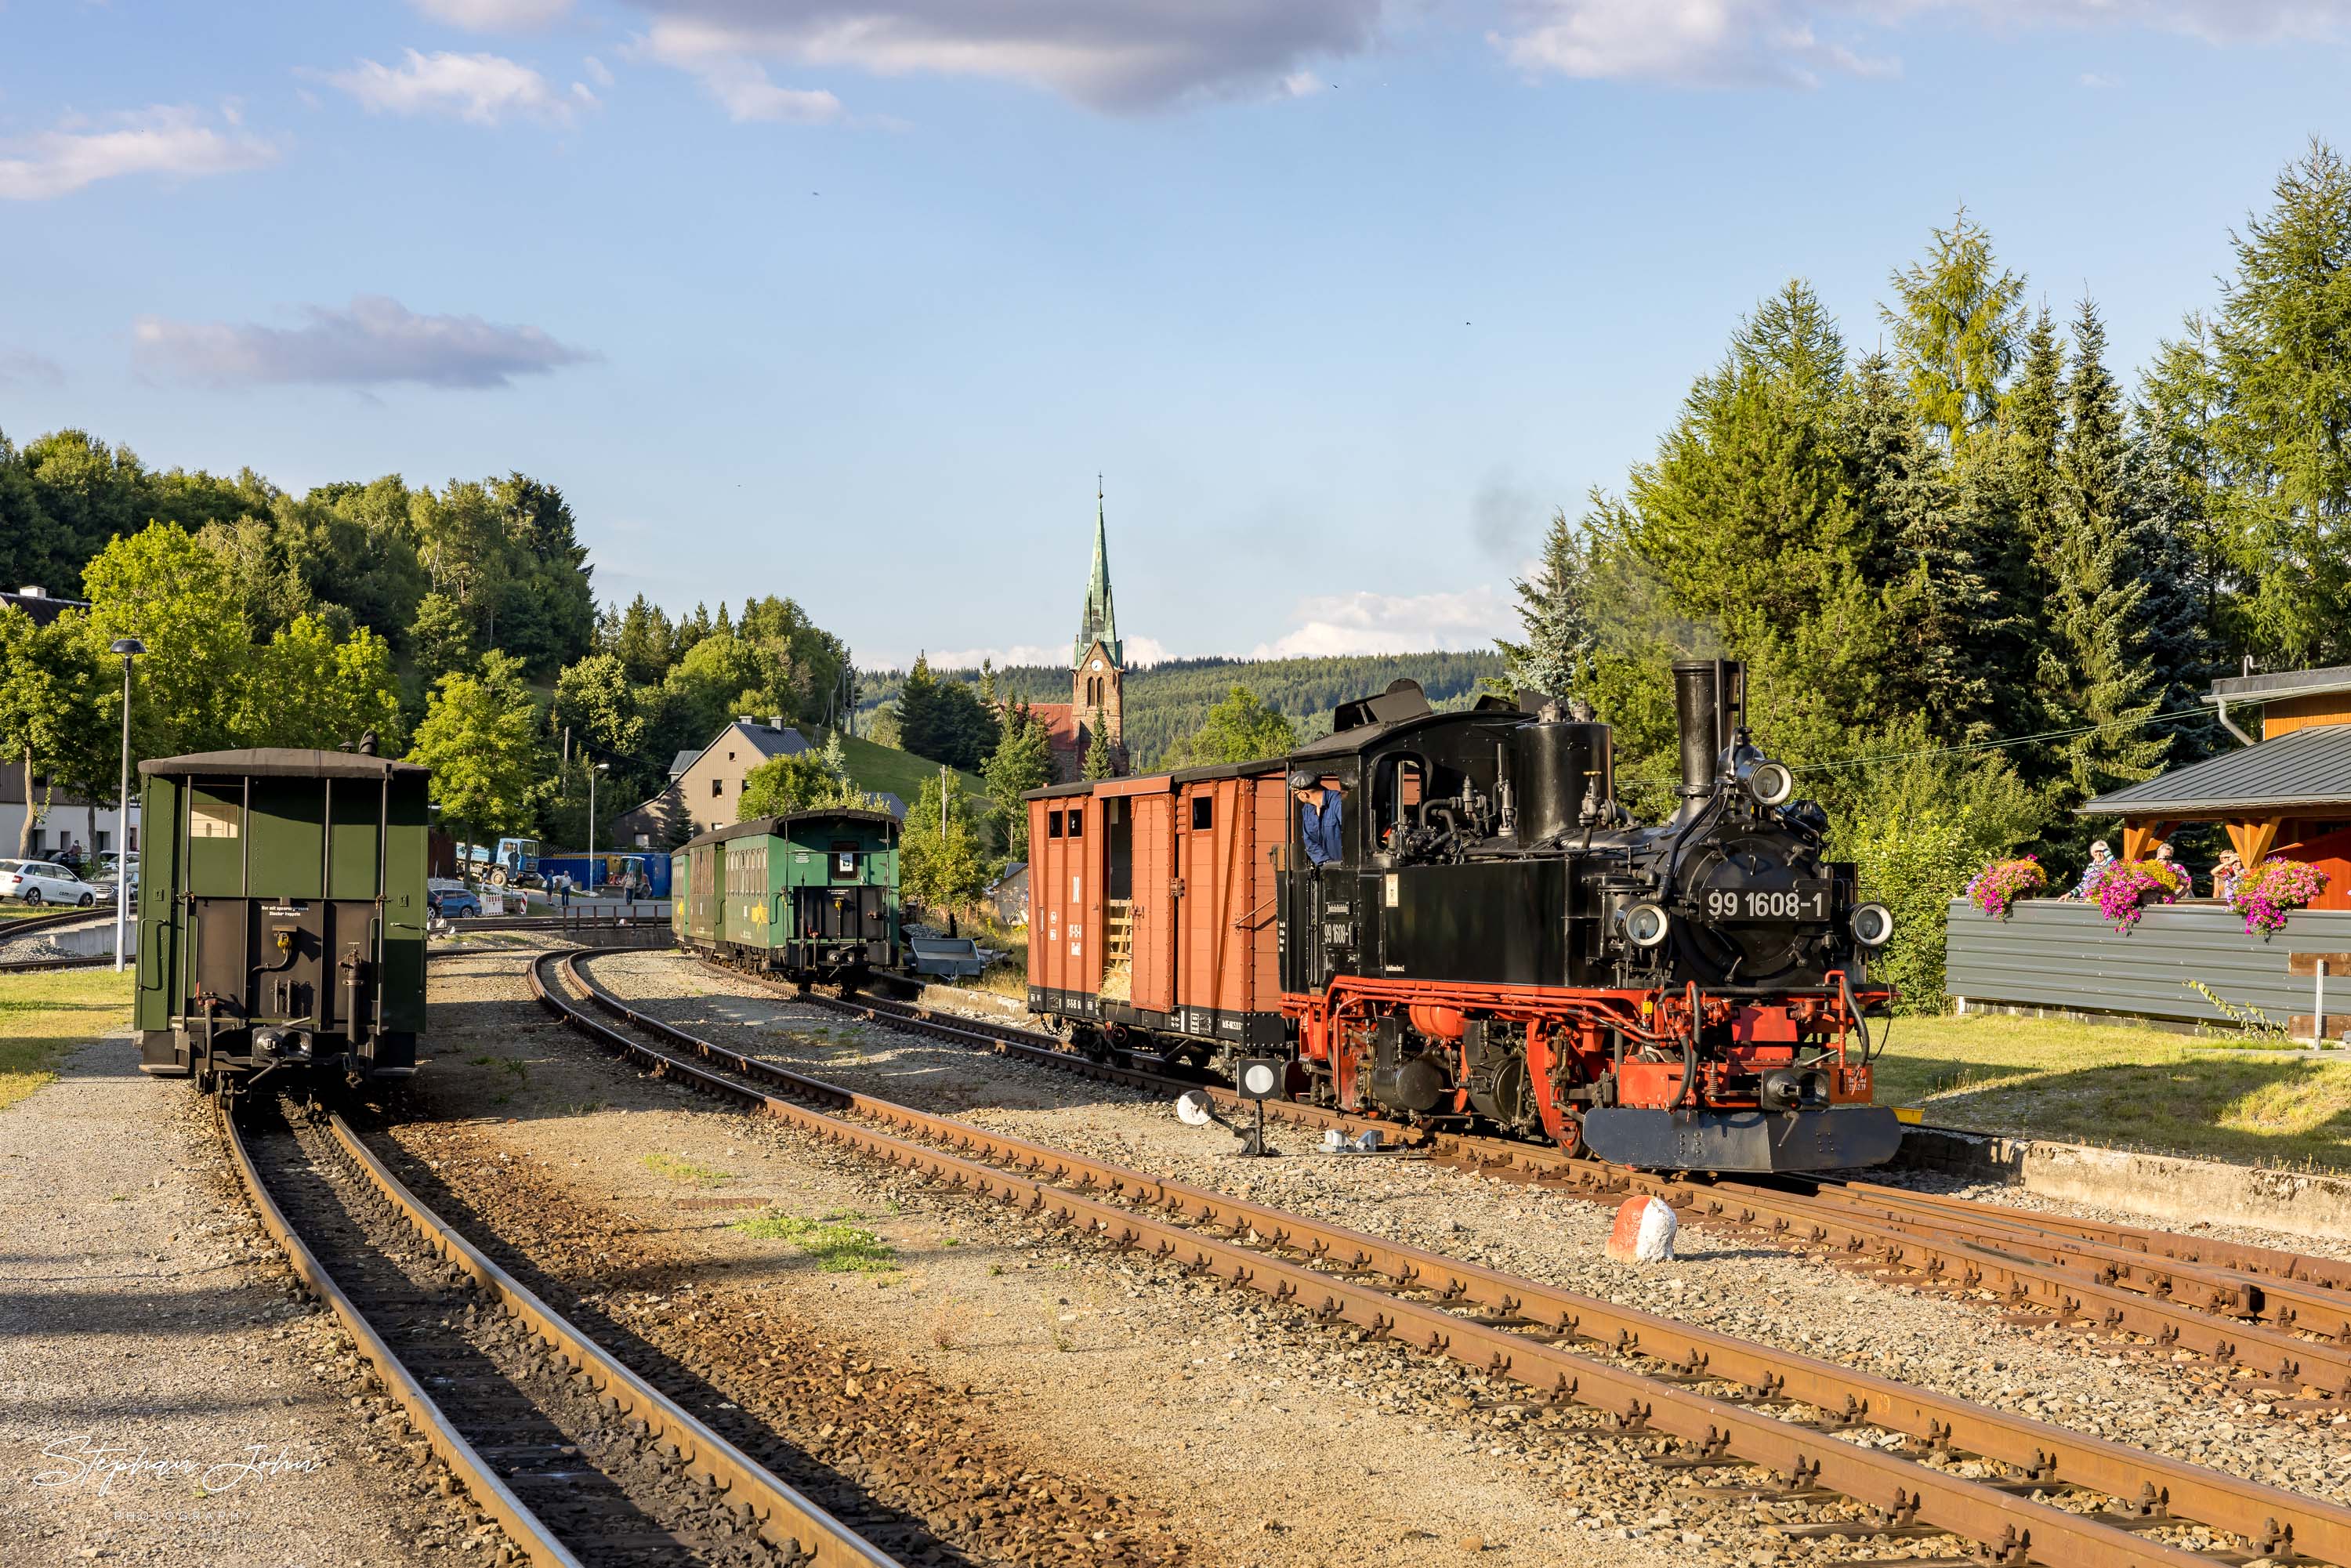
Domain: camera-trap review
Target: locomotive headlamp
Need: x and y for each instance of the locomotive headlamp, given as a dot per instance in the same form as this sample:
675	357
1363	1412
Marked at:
1645	924
1873	924
1768	783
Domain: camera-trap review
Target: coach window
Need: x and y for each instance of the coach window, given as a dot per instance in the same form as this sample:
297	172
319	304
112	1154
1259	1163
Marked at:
1077	824
1204	813
844	862
1052	824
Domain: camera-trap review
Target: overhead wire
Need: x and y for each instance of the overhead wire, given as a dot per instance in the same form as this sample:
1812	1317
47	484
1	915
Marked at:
2004	743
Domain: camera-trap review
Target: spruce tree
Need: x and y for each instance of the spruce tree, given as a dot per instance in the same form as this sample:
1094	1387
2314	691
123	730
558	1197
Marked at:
2282	362
1099	762
1022	761
1954	330
1943	616
1553	608
2094	675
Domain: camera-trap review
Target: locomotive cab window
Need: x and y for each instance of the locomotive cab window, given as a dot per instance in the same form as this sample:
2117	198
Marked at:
1399	786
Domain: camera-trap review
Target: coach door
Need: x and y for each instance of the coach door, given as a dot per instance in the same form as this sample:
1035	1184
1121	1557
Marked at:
1214	834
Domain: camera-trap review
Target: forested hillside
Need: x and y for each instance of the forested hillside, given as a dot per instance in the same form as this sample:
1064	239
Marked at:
1167	702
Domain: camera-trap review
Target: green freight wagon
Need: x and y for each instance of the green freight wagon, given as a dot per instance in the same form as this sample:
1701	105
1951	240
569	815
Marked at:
813	894
281	917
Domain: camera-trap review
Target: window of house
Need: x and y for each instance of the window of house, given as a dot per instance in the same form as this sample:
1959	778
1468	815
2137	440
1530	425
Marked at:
99	844
1204	813
717	787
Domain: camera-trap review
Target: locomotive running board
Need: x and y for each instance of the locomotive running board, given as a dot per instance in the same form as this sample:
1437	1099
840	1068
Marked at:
1745	1141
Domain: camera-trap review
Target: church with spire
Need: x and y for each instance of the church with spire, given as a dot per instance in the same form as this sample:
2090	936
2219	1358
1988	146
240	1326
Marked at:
1097	674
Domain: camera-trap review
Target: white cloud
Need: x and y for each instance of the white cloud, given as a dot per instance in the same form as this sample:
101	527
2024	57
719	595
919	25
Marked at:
2093	82
598	71
158	140
22	368
744	90
480	89
373	341
493	15
1797	43
1125	57
1367	623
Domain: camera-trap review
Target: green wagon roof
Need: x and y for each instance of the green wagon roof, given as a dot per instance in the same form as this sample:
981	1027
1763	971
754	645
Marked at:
771	827
282	762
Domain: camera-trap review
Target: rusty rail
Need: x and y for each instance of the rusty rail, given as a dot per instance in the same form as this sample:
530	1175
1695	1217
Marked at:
1525	1331
783	1513
2118	1278
481	1483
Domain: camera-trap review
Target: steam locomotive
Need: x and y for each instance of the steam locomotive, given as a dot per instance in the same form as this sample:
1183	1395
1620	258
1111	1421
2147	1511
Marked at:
1499	943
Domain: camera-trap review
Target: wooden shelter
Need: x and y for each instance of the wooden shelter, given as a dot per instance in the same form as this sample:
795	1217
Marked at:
2287	794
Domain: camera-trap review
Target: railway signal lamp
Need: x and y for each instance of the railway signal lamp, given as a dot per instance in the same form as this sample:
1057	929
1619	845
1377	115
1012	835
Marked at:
130	648
1258	1078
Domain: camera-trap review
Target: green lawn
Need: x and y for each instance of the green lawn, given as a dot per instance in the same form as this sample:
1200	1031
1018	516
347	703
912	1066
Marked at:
882	769
2125	1087
47	1013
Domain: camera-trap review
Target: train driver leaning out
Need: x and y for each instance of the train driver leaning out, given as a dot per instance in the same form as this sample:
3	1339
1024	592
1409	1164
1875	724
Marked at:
1318	816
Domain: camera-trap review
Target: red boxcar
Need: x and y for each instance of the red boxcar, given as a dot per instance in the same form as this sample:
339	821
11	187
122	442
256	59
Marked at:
1152	903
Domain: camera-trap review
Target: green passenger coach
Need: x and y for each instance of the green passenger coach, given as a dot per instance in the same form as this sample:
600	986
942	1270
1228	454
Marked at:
281	917
813	894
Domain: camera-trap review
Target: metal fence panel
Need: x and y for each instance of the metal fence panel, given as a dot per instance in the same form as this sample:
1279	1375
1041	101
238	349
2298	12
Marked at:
2066	955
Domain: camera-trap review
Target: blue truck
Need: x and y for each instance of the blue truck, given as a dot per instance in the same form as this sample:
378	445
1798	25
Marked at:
646	874
515	860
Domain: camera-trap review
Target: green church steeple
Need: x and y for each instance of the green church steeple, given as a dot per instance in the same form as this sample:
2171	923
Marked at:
1100	622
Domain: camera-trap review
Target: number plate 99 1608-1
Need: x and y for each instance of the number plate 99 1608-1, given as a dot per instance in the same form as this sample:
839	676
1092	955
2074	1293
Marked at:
1799	900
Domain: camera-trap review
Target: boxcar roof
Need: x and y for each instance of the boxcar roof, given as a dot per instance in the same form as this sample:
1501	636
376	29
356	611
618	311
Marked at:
282	762
766	827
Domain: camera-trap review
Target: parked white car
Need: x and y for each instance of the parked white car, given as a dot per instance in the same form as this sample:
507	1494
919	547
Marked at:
39	882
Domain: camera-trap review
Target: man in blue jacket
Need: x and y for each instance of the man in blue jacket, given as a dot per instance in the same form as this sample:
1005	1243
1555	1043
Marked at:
1318	816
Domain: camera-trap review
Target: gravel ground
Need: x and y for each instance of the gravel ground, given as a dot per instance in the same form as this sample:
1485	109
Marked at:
1252	1434
143	1313
2126	1393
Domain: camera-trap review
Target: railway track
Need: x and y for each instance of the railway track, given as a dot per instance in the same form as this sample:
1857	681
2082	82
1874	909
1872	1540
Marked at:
33	924
581	1462
2283	1316
1877	1458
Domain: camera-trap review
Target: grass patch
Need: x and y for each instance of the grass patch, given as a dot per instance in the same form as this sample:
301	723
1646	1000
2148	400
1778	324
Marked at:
45	1014
886	769
678	1168
2125	1087
838	1245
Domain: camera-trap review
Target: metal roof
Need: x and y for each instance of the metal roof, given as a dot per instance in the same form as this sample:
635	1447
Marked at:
2304	768
281	762
772	827
2284	683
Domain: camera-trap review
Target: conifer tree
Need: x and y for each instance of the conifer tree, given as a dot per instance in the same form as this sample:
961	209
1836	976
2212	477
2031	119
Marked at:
2275	378
2094	675
1556	618
1099	763
1956	329
1942	613
1022	761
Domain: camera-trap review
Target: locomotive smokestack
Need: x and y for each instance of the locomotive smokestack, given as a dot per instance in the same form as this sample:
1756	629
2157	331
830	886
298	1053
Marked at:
1710	703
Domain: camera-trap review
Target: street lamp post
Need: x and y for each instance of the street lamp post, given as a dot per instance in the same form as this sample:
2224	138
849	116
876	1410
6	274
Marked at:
130	648
599	767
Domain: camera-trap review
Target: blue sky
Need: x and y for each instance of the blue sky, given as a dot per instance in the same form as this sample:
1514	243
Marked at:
851	301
